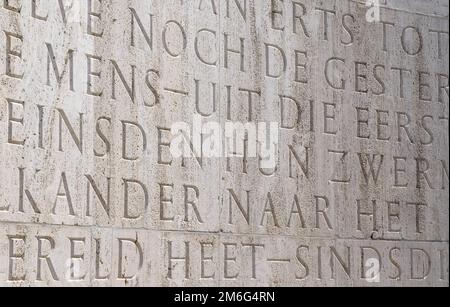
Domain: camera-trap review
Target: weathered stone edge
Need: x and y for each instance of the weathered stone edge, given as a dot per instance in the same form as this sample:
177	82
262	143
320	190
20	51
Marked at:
431	8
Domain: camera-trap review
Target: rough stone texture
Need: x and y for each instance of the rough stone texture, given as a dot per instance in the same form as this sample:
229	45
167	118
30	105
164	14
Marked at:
84	201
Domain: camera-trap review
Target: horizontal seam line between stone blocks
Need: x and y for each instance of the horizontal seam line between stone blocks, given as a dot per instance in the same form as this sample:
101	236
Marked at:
223	234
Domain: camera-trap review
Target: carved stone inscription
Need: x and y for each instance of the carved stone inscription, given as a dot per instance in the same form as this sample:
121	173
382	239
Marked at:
101	185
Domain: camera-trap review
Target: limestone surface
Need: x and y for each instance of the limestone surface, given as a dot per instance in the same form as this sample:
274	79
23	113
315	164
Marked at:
224	143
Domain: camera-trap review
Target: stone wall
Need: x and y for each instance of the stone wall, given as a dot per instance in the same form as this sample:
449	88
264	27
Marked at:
354	193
